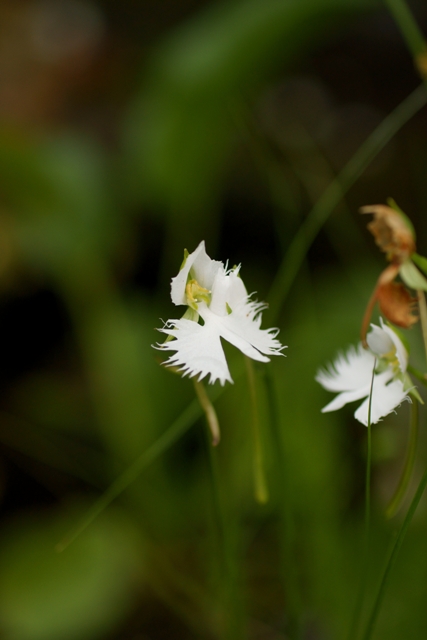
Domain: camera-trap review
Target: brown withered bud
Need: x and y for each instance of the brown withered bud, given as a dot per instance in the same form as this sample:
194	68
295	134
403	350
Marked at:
392	232
397	304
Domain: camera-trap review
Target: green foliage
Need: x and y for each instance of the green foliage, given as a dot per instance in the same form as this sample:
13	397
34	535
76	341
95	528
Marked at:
77	593
181	129
97	414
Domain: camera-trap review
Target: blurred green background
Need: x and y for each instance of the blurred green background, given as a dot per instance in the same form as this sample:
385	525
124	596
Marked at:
130	131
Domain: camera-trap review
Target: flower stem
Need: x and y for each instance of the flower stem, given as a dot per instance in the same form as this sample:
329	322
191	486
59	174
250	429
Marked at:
289	568
210	413
232	618
393	555
365	565
410	31
399	494
260	482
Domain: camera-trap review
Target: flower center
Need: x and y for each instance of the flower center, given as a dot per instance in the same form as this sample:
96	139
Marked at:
389	360
195	293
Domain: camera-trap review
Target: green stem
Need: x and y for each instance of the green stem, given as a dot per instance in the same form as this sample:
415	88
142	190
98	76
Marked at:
210	413
408	26
365	565
392	559
319	214
399	494
232	627
260	482
289	567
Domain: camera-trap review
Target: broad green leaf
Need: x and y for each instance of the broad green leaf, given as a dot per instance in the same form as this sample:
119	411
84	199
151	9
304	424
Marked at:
412	277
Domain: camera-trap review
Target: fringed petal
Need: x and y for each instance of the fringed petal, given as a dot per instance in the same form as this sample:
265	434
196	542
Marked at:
198	350
351	376
385	399
228	312
243	331
350	371
345	397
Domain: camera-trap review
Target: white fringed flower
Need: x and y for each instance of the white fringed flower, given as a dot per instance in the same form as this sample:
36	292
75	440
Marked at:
351	375
218	297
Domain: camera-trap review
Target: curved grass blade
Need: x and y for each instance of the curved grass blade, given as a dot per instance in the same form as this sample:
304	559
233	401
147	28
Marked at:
392	559
334	193
166	440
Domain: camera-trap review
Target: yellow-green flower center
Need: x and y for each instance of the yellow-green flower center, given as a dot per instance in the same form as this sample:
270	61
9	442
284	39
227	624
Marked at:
195	293
389	360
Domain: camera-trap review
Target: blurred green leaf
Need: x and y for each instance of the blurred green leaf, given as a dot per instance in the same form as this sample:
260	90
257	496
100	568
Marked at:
179	132
76	594
58	191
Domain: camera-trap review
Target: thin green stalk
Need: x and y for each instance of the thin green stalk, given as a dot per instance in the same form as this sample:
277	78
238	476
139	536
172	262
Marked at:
400	492
411	32
289	567
232	619
210	413
365	565
260	482
319	214
392	559
169	437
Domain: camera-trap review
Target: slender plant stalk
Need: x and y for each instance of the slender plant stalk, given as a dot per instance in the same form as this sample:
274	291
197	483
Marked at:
232	625
400	492
392	558
289	567
260	482
410	30
332	195
210	413
365	565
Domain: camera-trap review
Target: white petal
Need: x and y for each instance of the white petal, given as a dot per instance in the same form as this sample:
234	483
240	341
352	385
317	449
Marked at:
345	397
401	353
350	371
385	398
242	330
379	341
204	270
228	291
198	350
